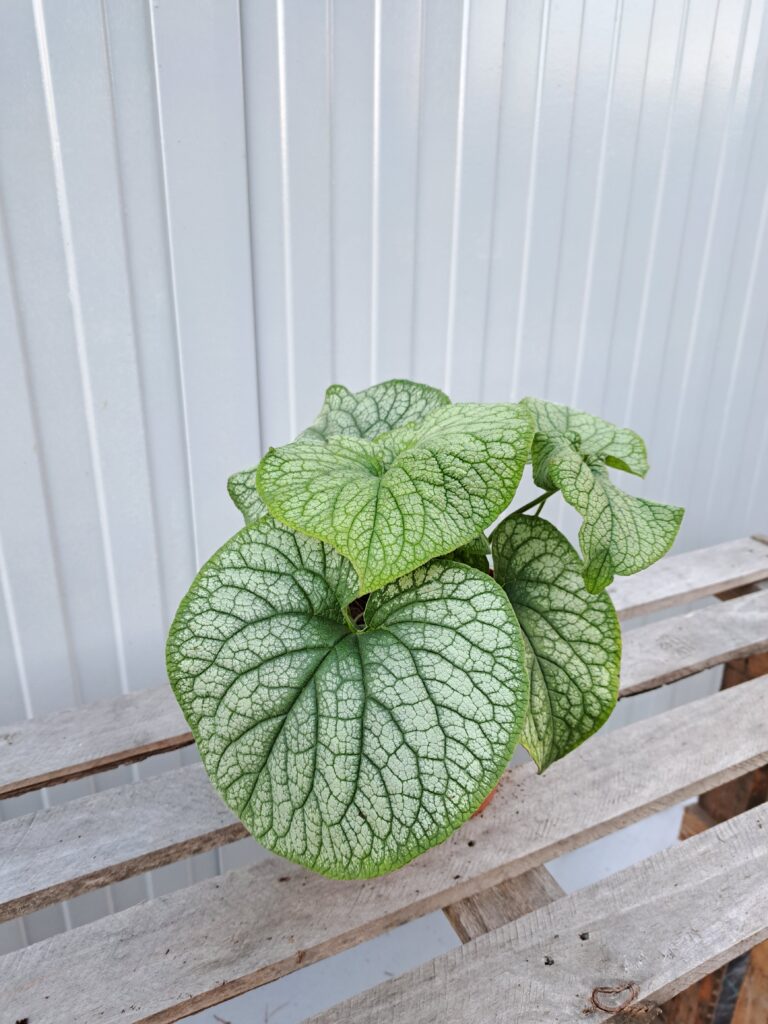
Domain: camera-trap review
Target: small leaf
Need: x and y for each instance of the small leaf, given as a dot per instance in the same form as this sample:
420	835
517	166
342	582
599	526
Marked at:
241	488
475	553
620	533
373	411
618	447
572	637
412	494
347	752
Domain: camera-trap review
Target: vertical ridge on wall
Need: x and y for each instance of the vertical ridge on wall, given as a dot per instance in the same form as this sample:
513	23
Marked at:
212	209
182	399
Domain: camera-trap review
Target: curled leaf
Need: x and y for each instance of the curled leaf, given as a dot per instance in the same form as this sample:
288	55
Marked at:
572	637
374	411
618	447
619	533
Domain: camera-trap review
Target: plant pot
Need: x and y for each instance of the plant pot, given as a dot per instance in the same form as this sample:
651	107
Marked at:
485	802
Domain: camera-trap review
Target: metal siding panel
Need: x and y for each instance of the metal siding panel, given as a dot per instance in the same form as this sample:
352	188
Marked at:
211	210
198	68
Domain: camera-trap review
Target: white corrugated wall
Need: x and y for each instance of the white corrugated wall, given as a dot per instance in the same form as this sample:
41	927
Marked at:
210	211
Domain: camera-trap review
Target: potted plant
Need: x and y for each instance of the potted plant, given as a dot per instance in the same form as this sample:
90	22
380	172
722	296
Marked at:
355	678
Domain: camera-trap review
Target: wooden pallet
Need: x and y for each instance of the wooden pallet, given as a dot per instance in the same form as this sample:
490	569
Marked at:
618	950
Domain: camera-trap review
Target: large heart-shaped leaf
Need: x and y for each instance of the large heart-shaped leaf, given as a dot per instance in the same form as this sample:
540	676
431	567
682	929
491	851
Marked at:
365	414
572	637
619	533
413	494
374	411
349	752
618	447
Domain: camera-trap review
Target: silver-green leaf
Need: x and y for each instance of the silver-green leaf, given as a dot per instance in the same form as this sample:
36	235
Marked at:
366	414
620	534
618	447
241	488
572	637
412	494
348	752
374	411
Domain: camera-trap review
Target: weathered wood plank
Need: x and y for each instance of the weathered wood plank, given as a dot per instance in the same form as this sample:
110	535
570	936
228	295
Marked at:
662	652
654	655
495	907
79	741
194	948
679	579
68	849
637	937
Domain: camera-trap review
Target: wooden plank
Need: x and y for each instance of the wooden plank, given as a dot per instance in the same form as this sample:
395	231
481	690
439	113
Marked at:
495	907
79	741
671	649
752	1002
678	579
695	820
55	854
654	654
191	949
636	938
714	997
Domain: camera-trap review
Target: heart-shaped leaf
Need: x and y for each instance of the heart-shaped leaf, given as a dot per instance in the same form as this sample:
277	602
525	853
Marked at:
349	752
413	494
374	411
572	637
365	414
617	446
620	533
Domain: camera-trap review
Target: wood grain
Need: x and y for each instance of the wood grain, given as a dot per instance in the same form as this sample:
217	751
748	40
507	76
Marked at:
679	579
662	652
69	744
752	1002
495	907
68	849
650	931
201	945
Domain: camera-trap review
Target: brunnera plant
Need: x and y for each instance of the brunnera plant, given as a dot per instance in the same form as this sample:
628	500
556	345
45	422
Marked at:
355	677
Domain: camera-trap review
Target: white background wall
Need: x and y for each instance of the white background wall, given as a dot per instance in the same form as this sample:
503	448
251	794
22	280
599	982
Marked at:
210	211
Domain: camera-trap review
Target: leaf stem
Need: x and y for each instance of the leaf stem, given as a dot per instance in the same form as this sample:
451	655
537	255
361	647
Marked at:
349	619
537	501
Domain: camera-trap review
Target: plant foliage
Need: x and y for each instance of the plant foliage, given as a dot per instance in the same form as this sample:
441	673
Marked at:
355	678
